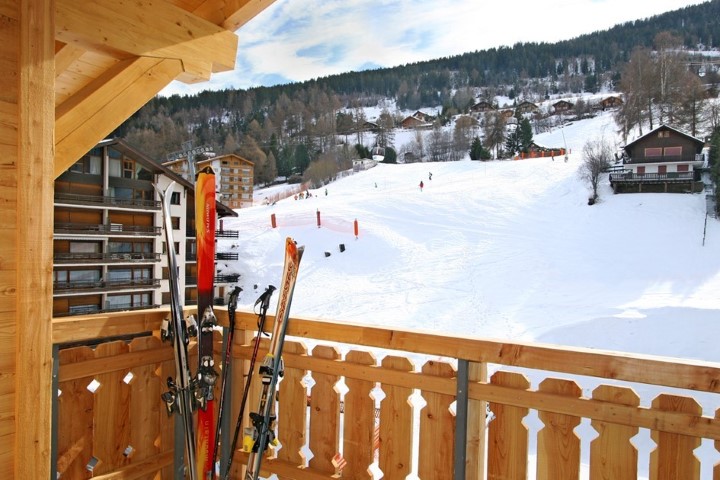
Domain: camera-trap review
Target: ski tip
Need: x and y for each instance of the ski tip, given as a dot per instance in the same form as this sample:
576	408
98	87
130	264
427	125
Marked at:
164	193
292	248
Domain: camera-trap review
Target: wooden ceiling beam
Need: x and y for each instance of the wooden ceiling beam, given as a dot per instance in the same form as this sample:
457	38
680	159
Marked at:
96	110
148	28
65	55
231	14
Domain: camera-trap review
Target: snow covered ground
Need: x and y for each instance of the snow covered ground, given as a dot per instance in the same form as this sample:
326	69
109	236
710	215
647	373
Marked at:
501	249
505	249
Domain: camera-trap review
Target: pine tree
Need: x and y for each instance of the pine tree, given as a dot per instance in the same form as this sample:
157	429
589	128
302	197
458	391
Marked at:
525	136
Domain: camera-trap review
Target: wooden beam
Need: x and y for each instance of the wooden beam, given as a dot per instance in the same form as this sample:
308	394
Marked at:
33	360
231	14
65	55
95	111
150	29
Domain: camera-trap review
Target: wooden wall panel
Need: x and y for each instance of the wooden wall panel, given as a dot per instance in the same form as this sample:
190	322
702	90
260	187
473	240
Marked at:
9	35
35	47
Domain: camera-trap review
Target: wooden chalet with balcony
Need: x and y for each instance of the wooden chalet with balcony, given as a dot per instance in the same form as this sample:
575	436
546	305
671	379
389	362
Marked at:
482	107
663	160
417	120
526	108
562	106
73	72
610	102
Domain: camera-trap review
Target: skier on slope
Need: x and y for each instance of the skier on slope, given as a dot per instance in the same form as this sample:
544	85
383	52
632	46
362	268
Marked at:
421	185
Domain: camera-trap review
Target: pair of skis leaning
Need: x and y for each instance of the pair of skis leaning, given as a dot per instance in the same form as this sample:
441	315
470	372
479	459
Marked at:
260	434
187	392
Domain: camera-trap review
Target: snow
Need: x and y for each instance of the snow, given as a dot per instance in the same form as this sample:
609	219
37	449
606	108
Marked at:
502	249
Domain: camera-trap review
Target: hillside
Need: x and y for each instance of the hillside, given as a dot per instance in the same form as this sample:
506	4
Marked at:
296	122
505	249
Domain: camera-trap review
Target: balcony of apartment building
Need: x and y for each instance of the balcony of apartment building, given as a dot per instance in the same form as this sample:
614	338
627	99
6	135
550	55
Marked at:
102	288
124	199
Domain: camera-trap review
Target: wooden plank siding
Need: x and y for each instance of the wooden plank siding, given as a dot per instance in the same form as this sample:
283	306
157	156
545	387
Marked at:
9	45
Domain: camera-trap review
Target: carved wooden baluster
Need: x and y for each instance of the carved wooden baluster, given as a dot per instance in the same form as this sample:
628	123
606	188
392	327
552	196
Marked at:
673	458
558	445
507	435
75	418
476	427
145	388
437	428
112	412
396	424
359	423
292	411
324	414
612	455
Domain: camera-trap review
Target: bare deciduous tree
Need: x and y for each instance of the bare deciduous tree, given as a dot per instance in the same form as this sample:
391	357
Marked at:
494	130
597	157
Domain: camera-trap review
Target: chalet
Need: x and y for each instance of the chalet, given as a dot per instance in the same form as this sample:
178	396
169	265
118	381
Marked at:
562	106
663	160
526	107
482	107
508	113
413	121
423	116
369	127
610	102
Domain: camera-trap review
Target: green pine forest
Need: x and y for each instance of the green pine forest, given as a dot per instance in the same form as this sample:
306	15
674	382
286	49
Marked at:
291	130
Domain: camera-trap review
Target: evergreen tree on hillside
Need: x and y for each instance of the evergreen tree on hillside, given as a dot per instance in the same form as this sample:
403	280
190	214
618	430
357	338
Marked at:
525	135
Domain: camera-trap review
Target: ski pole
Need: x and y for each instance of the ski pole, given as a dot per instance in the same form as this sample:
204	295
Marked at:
264	301
232	306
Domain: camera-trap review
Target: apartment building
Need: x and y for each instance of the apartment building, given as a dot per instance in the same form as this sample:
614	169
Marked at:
109	250
233	177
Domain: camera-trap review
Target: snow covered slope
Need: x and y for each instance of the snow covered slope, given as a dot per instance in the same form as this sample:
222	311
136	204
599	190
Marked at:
503	249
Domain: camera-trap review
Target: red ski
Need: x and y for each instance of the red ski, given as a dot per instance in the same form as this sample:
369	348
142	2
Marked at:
205	235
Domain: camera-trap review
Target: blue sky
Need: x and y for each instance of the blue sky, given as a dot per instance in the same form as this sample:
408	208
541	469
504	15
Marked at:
298	40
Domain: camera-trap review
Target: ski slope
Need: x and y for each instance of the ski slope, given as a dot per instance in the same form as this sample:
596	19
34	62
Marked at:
502	249
507	250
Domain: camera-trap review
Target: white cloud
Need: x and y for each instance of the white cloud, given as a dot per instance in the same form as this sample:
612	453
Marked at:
297	40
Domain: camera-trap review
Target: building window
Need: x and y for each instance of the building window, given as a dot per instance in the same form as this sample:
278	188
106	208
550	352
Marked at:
653	152
84	247
673	152
175	198
175	223
128	168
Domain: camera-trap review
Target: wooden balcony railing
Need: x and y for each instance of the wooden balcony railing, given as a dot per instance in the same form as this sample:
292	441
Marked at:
377	399
629	177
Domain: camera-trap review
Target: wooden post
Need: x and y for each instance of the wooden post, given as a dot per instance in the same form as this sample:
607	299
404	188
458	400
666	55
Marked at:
34	240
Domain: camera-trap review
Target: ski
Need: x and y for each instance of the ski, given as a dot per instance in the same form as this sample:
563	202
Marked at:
261	434
264	302
206	374
179	398
232	306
